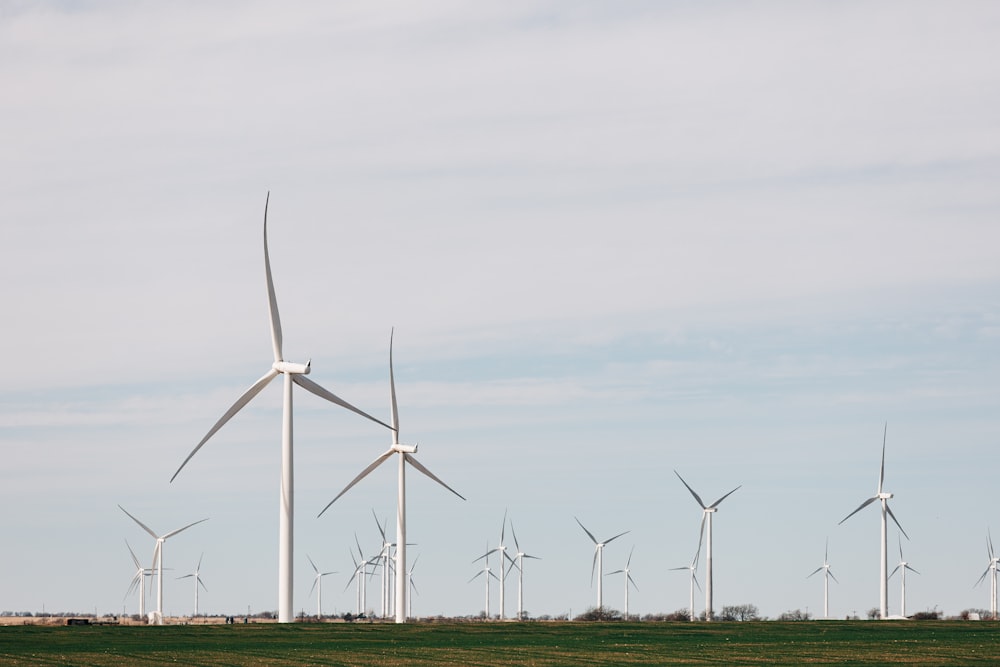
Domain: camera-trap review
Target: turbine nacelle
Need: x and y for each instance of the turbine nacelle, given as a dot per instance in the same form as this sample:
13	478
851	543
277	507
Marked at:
292	368
403	449
884	496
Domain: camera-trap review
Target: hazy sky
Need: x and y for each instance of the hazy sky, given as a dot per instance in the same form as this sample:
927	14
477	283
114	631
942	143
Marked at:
615	240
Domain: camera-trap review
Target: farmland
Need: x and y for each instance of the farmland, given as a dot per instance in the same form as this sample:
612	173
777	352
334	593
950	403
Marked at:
541	644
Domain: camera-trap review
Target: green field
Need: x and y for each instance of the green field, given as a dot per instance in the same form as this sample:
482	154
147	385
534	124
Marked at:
489	644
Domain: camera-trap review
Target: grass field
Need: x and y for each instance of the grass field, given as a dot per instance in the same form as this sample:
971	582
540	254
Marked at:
489	644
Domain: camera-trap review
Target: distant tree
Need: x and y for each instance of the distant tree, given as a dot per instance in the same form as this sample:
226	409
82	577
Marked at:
600	614
929	615
740	612
984	614
873	613
797	615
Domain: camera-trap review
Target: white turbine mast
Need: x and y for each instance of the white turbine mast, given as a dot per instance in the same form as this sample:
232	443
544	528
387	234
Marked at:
827	575
883	498
902	567
197	582
318	587
991	570
405	453
520	556
706	516
294	373
158	559
598	561
411	588
628	578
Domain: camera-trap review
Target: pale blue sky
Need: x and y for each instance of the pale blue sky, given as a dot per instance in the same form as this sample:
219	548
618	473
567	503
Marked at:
725	239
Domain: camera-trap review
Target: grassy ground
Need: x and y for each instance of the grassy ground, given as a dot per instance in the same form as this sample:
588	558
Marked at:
490	644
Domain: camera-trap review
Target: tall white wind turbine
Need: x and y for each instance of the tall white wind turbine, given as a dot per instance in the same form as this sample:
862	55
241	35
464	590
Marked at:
991	571
405	453
318	587
827	574
197	582
628	579
411	587
883	498
519	556
158	559
706	517
598	561
693	569
902	567
294	373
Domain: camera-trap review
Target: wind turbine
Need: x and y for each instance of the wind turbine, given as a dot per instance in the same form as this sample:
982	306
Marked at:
489	573
902	567
692	568
405	453
598	561
883	498
991	570
197	582
628	579
318	584
294	373
138	581
520	556
158	559
411	585
707	512
827	573
502	550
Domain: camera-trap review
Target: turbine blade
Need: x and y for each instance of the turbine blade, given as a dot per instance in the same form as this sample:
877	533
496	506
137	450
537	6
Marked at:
364	473
716	503
593	566
893	572
478	574
514	534
830	572
493	574
629	561
174	532
311	386
632	581
860	507
315	579
815	571
889	510
315	569
617	536
393	410
134	559
695	578
980	580
911	569
144	526
416	464
608	574
272	302
589	534
381	528
236	407
203	586
701	537
503	527
696	496
881	472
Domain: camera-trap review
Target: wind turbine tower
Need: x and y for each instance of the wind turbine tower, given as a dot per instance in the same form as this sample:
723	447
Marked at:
405	453
706	517
991	570
902	567
520	556
827	574
598	561
197	582
294	373
628	579
883	498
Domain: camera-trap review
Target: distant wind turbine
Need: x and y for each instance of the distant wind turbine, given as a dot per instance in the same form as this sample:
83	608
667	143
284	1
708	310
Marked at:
991	570
598	561
318	587
520	556
294	373
628	579
197	582
502	550
158	559
139	580
827	574
902	568
411	587
692	568
489	573
706	516
406	453
883	498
